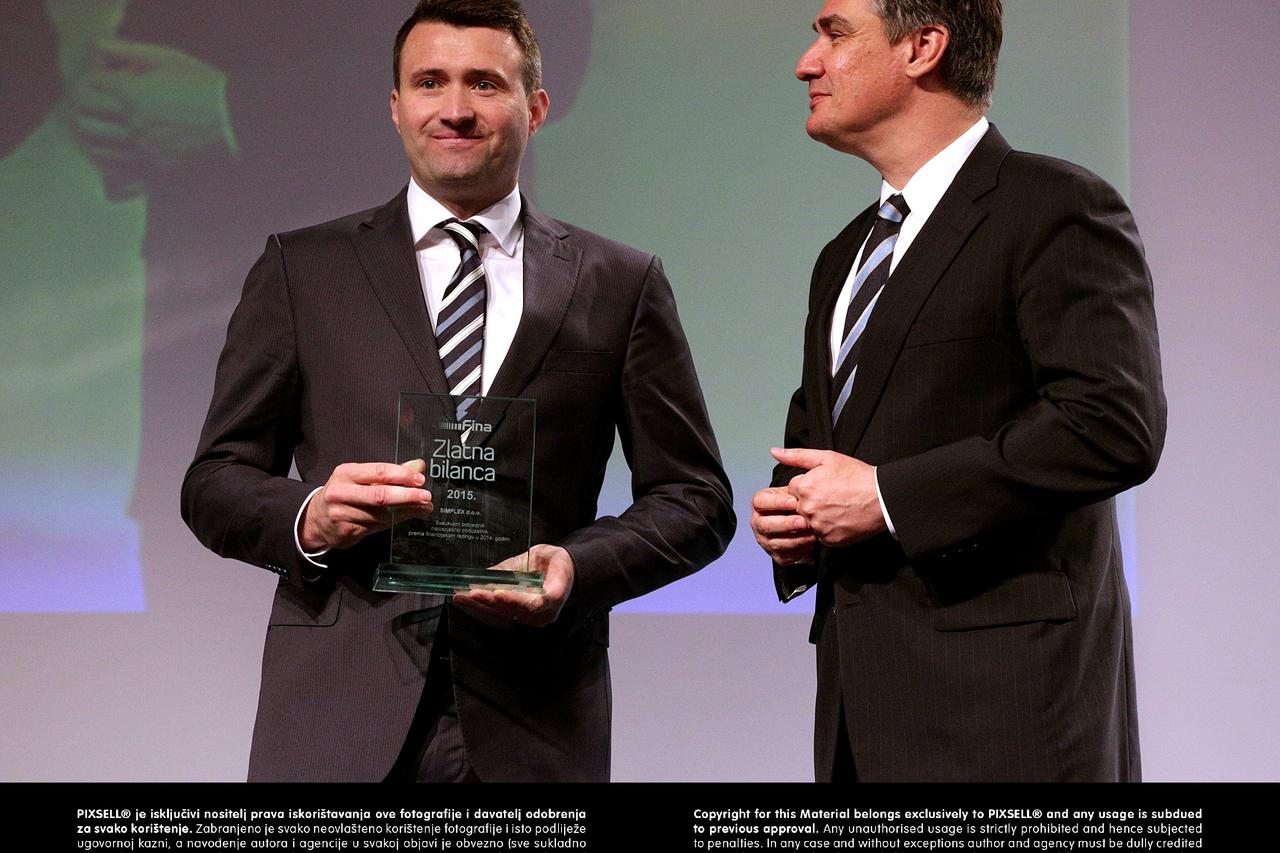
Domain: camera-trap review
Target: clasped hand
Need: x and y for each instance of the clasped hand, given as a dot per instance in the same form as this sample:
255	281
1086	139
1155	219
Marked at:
148	104
833	503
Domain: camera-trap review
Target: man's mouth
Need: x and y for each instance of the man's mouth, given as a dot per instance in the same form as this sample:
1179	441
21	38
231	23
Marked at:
454	140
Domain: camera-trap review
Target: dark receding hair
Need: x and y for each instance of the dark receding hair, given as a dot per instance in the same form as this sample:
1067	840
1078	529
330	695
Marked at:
969	66
505	15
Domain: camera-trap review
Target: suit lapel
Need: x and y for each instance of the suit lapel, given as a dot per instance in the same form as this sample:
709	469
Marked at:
550	276
384	244
845	247
917	273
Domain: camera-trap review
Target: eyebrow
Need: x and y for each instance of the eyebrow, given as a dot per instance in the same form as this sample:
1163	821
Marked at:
475	73
826	22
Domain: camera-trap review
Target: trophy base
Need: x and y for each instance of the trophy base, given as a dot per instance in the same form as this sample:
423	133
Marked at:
436	580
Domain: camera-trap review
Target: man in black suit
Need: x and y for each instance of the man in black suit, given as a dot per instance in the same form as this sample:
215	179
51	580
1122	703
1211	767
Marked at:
335	321
981	377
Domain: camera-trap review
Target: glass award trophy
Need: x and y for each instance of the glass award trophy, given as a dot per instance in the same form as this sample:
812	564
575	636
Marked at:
477	456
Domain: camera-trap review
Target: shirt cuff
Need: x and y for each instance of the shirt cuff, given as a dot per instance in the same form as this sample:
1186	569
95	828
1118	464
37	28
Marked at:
884	510
297	525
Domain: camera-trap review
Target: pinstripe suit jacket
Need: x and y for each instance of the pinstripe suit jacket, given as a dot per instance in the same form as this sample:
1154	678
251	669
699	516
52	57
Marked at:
1009	386
331	327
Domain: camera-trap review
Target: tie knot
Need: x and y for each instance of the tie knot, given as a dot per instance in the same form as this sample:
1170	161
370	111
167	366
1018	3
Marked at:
894	209
465	234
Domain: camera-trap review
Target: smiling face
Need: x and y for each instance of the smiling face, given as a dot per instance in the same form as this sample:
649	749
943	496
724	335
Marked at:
856	78
463	114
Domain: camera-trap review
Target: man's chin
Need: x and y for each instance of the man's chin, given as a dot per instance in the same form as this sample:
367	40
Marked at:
817	131
831	137
458	176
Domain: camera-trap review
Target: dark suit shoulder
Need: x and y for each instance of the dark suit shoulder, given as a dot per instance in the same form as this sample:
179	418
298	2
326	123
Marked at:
611	251
1042	175
340	228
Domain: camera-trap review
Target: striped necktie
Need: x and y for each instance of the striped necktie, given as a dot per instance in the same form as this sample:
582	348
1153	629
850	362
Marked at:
877	256
460	321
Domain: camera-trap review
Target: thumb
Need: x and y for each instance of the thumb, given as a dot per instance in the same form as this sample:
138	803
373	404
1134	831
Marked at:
801	457
118	54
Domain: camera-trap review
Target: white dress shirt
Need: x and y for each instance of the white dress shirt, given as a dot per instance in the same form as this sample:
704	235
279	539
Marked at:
501	253
922	193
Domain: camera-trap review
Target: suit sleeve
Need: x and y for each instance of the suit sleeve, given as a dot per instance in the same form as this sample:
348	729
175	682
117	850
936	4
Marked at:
1096	426
237	497
791	581
681	517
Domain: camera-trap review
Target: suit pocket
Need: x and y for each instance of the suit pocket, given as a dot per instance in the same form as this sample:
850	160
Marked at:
941	331
310	608
583	361
1031	597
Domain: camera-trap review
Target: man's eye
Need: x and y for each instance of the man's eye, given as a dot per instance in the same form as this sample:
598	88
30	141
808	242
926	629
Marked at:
429	84
485	85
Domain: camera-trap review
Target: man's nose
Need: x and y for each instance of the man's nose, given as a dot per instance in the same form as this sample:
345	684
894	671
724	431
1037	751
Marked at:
457	107
810	66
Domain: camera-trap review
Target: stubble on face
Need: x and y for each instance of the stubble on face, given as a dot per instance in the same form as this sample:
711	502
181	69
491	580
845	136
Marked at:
463	114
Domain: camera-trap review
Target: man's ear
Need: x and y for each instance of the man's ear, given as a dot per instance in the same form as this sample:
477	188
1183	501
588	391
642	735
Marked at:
928	45
539	104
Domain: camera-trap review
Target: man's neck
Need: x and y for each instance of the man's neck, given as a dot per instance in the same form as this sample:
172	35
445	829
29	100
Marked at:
912	138
464	207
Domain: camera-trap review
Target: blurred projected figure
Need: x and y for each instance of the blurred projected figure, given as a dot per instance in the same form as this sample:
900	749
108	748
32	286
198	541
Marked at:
130	210
74	286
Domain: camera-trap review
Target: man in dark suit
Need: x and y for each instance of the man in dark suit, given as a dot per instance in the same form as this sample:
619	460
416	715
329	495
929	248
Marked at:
981	377
335	321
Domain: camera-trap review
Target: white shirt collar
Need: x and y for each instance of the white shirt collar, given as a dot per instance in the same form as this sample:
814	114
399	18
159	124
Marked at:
926	187
502	218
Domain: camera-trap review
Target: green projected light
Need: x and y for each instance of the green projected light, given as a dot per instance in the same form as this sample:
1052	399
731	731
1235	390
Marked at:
685	138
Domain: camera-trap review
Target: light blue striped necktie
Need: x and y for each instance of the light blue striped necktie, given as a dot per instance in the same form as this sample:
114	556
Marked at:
868	284
460	321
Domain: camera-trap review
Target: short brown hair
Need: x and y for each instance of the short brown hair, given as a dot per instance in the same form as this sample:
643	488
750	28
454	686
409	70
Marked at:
503	15
969	65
